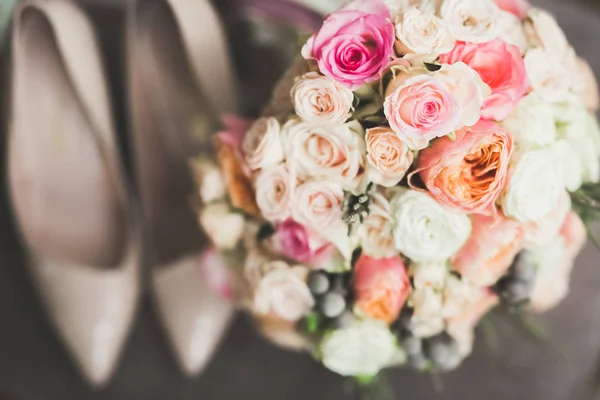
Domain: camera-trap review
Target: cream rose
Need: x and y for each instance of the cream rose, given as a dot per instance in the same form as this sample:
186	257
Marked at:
283	293
475	21
534	187
223	227
427	319
586	86
511	31
425	230
571	164
318	206
545	230
275	188
362	349
376	232
423	33
429	275
532	124
543	31
459	297
333	152
322	100
262	144
388	158
550	78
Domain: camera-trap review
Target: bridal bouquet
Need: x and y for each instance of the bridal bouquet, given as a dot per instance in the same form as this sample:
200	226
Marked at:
420	164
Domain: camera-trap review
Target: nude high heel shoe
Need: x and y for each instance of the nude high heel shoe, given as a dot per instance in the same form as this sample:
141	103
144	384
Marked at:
180	81
67	187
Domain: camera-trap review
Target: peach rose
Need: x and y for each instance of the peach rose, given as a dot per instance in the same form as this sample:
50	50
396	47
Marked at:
333	152
501	67
321	100
376	233
275	188
468	173
381	286
465	304
423	107
388	158
491	249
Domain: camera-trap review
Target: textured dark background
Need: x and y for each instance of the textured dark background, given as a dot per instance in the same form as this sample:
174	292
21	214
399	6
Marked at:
33	365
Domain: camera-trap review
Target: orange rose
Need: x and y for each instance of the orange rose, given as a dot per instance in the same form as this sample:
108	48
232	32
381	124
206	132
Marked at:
381	286
491	249
469	172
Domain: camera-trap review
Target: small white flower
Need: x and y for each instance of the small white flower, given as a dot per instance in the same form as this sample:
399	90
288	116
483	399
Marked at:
376	233
283	293
476	21
223	227
423	33
459	296
511	31
210	179
535	186
275	188
427	231
571	164
429	275
262	144
335	152
362	349
532	124
427	319
322	100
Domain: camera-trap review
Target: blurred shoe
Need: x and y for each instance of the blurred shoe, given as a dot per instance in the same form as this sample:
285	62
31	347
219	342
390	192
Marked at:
67	185
180	82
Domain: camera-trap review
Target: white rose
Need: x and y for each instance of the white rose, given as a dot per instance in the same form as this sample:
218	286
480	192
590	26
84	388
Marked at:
262	144
275	188
534	187
429	275
474	21
572	119
554	266
551	79
427	319
376	233
511	31
571	164
363	349
223	227
589	150
397	7
427	231
459	297
543	31
334	152
586	86
210	180
318	206
321	100
532	123
423	33
283	293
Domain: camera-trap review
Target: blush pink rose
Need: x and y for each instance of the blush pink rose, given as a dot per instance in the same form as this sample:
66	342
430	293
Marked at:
381	287
488	254
216	272
575	234
500	65
520	8
355	44
293	241
469	172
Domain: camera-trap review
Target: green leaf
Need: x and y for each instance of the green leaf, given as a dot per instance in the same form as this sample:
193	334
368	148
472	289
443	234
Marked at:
365	380
312	323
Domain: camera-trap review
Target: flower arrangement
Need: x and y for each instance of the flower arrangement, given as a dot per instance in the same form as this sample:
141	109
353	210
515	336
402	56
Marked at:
422	163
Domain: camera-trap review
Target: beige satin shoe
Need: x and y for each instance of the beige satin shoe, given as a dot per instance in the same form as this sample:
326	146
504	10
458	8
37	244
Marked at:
180	81
67	187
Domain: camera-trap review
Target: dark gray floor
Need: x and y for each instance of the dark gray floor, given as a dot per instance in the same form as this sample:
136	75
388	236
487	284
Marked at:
33	366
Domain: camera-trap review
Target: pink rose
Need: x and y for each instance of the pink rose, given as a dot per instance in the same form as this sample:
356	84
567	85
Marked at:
575	234
469	172
294	242
216	272
423	107
520	8
500	66
355	44
381	286
491	249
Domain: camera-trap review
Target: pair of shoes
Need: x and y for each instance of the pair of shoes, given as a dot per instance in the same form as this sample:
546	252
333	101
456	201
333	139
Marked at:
88	237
